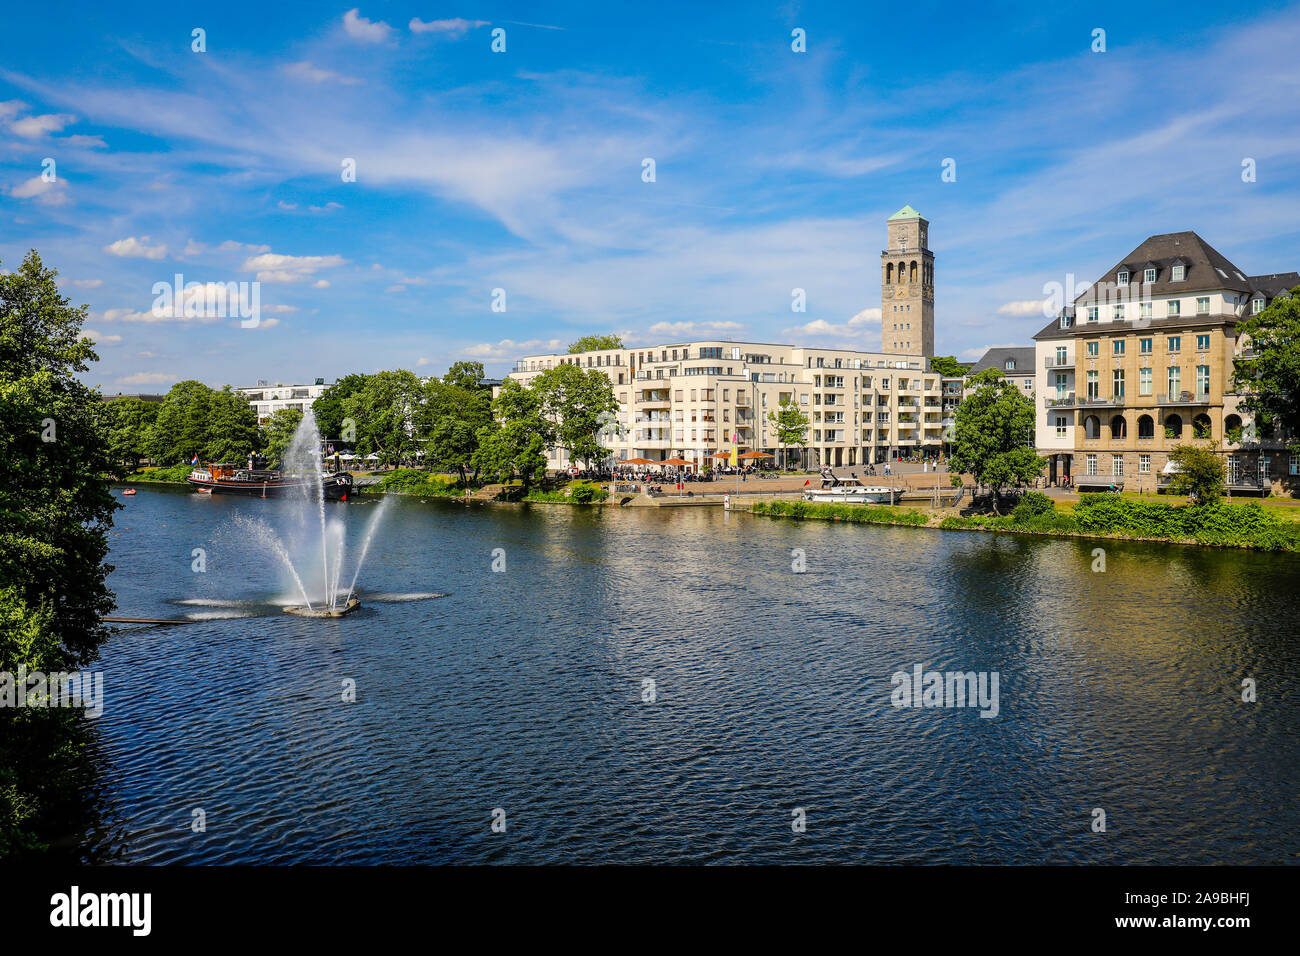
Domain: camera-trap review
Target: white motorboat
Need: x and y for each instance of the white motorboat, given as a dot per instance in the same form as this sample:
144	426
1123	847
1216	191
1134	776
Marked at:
851	491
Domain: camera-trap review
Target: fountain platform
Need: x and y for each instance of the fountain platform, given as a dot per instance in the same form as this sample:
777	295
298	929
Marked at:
346	609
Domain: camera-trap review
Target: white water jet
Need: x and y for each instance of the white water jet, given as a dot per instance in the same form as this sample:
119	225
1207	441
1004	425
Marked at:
371	526
261	531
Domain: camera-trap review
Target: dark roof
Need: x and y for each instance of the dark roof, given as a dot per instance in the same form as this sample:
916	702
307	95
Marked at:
1275	283
997	358
140	395
1207	268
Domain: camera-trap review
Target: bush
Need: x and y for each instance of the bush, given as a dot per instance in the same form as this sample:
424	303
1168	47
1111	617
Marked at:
1031	505
417	481
172	473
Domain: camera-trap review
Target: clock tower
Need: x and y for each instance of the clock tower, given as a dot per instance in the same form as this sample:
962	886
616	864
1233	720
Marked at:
907	286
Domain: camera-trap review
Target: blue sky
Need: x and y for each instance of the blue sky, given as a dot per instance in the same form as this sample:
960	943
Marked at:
522	170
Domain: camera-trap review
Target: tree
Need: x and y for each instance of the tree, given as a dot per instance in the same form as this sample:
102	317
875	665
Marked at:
194	419
577	403
455	409
233	433
279	431
1199	474
1270	379
596	343
55	512
130	421
328	407
791	427
948	366
993	435
385	410
514	443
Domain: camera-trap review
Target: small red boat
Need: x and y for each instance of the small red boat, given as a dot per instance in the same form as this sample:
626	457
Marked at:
129	491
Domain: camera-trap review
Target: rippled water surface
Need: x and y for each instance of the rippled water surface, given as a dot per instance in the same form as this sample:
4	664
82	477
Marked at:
522	690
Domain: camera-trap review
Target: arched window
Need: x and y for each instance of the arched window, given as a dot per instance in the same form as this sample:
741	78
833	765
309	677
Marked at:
1201	427
1118	427
1173	427
1146	427
911	276
1231	425
1092	427
889	273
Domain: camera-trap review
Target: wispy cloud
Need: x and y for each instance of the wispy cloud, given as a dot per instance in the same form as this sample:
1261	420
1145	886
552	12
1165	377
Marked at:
368	31
456	27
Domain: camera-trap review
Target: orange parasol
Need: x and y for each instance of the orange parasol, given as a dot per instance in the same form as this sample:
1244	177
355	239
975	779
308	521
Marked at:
638	461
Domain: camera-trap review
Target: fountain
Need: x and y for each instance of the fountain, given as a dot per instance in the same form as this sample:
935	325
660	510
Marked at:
316	546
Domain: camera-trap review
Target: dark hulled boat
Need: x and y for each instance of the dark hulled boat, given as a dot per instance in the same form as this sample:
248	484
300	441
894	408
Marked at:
266	483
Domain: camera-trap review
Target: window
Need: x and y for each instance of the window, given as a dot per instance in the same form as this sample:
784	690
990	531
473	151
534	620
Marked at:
1060	432
1117	383
1146	427
1174	307
1117	347
1144	381
1093	388
1117	466
1092	465
1257	306
1093	348
1178	273
1123	277
1203	305
1094	312
1175	343
1202	343
1144	310
1149	275
1202	381
1174	384
1118	313
1010	364
1062	355
1294	467
1144	346
1144	464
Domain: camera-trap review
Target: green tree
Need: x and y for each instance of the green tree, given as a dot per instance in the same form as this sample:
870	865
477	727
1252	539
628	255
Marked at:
791	427
130	421
514	442
948	366
455	410
596	343
55	512
1199	474
1269	376
993	435
577	403
180	428
328	407
385	410
278	433
232	430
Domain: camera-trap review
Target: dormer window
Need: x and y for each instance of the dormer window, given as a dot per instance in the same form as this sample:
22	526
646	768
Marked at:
1123	277
1011	363
1257	305
1178	273
1149	275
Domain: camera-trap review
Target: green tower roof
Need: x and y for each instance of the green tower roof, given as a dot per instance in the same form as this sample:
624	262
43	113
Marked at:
907	212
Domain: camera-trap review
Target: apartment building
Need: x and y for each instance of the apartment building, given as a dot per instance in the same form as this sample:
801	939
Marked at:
268	399
1142	361
695	399
1017	364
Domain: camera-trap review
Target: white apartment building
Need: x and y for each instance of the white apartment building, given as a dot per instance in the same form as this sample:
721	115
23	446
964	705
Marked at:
269	399
695	399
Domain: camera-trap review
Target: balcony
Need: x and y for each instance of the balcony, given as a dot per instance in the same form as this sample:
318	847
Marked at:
1183	398
1051	362
1060	401
1099	400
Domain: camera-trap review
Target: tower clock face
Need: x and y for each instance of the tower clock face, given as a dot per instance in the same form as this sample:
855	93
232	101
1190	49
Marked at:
900	292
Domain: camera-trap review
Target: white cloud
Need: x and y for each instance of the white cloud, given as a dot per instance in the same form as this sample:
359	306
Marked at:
10	108
368	31
328	207
275	267
149	378
230	245
281	309
455	27
321	284
1022	307
133	248
315	74
87	283
853	327
100	338
91	142
396	288
34	127
508	348
46	193
685	329
421	362
193	248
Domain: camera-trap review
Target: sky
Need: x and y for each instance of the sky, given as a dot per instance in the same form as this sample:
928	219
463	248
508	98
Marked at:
128	156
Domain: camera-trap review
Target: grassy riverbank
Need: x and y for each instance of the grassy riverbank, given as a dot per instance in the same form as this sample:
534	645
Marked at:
1094	516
